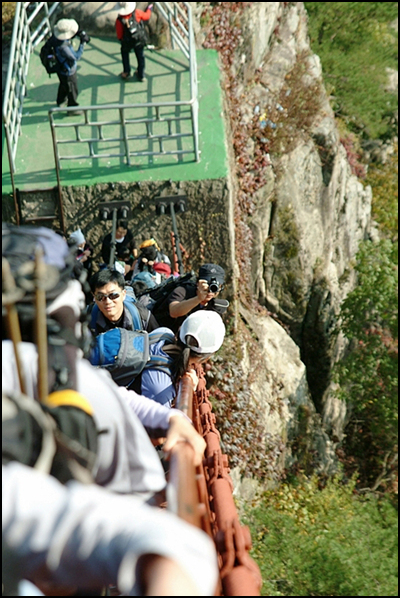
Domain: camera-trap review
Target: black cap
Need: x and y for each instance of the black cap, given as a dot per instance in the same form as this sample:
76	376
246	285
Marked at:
149	253
209	271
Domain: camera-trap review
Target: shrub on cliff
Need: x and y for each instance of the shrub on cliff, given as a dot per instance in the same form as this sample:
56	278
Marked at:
357	44
368	376
324	542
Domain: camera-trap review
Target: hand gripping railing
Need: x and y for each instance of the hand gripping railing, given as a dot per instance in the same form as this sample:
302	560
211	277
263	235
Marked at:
211	505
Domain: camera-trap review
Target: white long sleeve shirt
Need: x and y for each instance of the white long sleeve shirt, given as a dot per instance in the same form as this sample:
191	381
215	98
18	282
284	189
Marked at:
90	537
126	459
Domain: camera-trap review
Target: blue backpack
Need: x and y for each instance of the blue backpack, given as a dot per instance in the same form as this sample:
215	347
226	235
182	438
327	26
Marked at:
129	303
126	353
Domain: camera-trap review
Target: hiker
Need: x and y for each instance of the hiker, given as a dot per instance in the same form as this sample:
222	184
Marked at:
126	461
84	250
113	308
84	536
131	33
152	260
64	31
124	239
200	336
190	298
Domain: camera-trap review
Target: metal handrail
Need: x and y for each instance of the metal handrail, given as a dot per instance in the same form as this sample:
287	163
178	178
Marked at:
173	13
123	122
183	497
23	42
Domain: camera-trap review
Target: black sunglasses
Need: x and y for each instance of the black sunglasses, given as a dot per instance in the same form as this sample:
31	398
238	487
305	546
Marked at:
111	296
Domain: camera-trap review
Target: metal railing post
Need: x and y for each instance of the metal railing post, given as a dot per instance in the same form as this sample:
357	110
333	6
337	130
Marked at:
113	241
57	165
177	240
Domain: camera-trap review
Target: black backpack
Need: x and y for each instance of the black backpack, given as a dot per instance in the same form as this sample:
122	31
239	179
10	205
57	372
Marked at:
48	57
155	298
74	432
137	32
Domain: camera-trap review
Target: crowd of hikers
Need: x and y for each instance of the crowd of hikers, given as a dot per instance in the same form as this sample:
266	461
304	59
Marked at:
93	353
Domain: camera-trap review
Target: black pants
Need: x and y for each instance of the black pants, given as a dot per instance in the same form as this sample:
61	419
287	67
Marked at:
139	51
68	89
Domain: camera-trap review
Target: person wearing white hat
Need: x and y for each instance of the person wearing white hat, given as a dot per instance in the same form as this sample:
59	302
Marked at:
200	336
64	31
84	250
131	33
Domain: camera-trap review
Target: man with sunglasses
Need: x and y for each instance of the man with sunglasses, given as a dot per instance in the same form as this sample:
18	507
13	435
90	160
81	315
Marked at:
113	309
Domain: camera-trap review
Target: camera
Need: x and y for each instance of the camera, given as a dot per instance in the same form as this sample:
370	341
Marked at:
214	286
84	37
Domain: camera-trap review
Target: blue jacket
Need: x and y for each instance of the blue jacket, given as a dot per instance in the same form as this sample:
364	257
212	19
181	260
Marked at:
67	56
156	384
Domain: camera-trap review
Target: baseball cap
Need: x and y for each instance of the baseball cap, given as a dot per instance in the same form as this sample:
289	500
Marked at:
209	271
207	328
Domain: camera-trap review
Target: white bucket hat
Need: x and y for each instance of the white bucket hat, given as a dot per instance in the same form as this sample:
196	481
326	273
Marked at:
66	29
207	328
126	8
78	237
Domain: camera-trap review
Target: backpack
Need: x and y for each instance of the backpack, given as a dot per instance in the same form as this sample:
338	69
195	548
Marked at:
159	293
48	57
126	353
137	32
29	435
129	303
60	441
155	299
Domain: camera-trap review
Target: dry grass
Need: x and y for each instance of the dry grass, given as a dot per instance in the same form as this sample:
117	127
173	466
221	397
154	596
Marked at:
7	19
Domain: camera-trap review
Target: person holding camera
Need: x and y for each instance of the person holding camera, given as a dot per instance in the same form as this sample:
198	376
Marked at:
67	58
187	299
132	35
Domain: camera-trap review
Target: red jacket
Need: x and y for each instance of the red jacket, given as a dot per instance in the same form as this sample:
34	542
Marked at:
140	16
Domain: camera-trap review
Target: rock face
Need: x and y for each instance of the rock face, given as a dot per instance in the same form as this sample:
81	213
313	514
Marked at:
312	212
279	385
309	217
205	224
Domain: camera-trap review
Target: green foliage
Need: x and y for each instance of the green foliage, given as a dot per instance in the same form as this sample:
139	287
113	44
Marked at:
329	542
368	376
383	179
7	19
356	44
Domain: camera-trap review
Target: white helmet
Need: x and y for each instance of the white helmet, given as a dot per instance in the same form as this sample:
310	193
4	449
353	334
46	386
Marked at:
207	328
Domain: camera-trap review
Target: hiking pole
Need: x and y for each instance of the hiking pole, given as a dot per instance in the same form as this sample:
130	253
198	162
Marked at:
177	240
174	255
10	295
166	205
113	239
41	324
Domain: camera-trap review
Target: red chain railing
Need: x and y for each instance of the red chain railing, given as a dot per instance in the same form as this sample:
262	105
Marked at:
211	505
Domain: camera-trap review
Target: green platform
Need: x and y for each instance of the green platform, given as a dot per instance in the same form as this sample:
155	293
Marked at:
99	67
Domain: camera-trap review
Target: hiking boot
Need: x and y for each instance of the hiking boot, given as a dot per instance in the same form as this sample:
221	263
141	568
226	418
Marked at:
124	75
140	79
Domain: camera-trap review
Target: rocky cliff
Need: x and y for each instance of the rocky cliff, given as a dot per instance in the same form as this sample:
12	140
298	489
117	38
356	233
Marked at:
302	211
